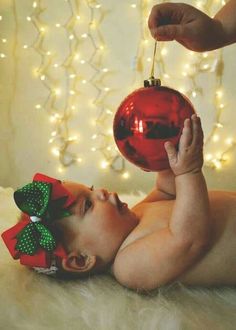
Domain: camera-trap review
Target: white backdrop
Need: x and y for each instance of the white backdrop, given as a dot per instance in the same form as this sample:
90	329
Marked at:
65	68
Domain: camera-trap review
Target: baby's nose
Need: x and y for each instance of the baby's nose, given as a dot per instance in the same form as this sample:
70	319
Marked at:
102	194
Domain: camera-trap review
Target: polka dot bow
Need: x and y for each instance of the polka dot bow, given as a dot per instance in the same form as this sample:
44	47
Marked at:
42	201
34	199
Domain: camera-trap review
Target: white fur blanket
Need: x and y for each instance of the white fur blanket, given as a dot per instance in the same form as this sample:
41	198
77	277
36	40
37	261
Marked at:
31	301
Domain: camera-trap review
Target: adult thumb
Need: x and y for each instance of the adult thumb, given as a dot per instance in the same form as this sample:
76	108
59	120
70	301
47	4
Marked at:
167	32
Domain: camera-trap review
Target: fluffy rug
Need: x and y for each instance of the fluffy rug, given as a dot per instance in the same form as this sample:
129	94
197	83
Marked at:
31	301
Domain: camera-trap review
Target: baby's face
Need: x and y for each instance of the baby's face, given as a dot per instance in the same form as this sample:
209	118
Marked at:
99	222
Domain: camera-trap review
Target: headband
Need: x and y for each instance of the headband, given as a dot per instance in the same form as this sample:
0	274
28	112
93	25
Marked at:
42	202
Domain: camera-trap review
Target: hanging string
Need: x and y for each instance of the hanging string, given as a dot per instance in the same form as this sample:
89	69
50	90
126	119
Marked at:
153	60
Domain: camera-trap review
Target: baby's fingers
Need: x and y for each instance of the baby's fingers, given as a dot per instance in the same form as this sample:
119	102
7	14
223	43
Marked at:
197	131
186	136
171	152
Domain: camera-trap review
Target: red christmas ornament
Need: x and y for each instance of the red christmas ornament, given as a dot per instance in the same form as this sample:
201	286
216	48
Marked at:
146	119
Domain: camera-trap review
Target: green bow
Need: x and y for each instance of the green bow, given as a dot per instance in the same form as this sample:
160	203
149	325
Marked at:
33	236
34	199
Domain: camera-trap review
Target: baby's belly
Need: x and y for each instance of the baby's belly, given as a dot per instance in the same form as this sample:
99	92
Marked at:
211	271
218	265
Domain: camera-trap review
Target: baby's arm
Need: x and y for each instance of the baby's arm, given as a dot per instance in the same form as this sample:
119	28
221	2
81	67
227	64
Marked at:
191	216
163	255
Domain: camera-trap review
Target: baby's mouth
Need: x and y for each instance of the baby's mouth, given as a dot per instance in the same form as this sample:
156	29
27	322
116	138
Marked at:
120	205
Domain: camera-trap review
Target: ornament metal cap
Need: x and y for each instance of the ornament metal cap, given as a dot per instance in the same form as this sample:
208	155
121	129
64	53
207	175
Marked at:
152	82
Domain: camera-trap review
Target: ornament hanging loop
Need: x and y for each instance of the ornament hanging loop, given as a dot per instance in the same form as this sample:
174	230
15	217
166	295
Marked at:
152	81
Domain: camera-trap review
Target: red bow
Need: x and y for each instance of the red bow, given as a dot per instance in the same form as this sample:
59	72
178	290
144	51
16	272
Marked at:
41	258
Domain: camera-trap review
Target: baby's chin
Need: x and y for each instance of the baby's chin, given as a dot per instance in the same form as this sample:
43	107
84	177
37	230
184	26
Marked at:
132	217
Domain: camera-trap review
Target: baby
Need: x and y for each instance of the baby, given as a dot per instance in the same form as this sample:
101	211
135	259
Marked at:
179	232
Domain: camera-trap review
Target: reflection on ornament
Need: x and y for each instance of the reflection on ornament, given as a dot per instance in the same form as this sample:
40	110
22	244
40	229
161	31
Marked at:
145	120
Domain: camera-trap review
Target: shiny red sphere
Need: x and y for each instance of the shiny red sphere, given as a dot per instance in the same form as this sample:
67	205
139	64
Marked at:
145	120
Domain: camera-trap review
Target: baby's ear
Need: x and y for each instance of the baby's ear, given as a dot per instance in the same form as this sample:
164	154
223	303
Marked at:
78	263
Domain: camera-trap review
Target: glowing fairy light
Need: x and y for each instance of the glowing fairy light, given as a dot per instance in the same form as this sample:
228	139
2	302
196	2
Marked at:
61	169
217	164
57	91
73	138
126	175
104	164
229	141
55	152
208	157
4	40
219	93
2	55
164	52
38	106
215	138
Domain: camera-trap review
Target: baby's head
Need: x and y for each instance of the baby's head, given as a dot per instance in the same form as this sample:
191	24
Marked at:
84	228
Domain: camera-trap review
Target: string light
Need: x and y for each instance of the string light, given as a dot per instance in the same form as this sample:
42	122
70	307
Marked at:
61	140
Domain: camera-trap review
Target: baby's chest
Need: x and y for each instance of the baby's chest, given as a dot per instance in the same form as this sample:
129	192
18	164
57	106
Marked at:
153	216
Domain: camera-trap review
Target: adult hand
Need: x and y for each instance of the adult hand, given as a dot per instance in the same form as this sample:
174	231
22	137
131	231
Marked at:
187	25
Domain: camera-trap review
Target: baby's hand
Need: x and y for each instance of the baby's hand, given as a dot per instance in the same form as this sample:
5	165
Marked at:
189	156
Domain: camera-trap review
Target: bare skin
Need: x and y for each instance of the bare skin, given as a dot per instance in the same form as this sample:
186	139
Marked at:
191	27
216	265
179	232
